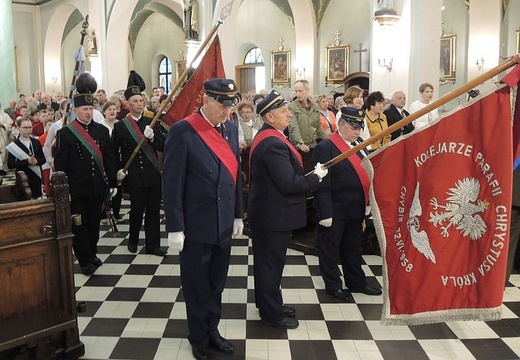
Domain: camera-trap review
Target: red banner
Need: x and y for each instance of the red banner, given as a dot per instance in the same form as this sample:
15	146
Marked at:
190	97
441	200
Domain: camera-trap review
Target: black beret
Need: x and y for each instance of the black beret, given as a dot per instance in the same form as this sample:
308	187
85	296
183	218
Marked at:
222	90
131	91
353	116
83	100
272	101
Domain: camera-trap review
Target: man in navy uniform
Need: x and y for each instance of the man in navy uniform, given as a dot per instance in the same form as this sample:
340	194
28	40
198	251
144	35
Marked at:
203	208
276	206
84	152
143	178
340	202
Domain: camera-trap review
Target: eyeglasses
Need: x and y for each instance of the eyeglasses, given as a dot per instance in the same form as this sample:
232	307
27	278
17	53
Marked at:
25	127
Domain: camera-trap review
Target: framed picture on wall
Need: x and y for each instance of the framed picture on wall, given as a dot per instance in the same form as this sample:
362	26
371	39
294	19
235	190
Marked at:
338	59
447	63
281	68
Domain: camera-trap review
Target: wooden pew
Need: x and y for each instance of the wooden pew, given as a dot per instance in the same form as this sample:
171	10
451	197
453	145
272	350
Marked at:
38	313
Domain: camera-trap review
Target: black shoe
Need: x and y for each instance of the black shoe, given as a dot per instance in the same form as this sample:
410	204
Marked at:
200	352
97	262
340	294
289	311
367	290
222	344
132	248
285	323
156	251
88	269
3	172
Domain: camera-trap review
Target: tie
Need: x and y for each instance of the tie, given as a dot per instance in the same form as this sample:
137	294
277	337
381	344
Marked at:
221	129
360	152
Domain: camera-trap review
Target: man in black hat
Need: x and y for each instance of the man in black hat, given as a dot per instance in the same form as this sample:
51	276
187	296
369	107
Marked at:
84	152
203	207
340	202
276	206
143	178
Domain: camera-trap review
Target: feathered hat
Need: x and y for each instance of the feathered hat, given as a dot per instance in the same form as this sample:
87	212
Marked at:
86	86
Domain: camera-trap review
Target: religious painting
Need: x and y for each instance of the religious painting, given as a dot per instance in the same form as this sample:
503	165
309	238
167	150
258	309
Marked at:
338	59
281	68
447	63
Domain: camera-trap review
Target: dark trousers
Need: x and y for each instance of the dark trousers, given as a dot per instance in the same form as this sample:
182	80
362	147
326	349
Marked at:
269	250
147	201
342	241
513	256
204	269
86	235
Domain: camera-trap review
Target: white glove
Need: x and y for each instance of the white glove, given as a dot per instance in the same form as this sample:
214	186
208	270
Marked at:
326	222
113	192
320	171
238	228
176	240
148	132
121	174
368	210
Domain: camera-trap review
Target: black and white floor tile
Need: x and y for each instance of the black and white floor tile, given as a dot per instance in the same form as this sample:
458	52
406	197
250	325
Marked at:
136	310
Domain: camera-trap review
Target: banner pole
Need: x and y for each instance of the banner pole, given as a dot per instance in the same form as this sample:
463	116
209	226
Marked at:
432	106
83	33
226	10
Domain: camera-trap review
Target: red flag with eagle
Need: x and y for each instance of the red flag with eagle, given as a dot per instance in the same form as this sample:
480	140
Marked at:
441	200
190	97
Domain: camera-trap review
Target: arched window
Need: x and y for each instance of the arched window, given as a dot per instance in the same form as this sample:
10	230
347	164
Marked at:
165	74
254	56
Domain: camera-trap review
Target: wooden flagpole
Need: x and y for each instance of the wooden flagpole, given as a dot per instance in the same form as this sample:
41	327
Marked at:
226	10
432	106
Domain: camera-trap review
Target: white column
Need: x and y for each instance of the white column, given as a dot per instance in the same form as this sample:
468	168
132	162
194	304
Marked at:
96	13
7	70
484	36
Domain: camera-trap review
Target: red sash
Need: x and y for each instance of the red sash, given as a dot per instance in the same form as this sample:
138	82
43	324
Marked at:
264	134
216	143
354	159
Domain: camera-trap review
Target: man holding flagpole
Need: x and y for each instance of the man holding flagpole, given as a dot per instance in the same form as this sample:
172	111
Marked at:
202	195
340	203
84	152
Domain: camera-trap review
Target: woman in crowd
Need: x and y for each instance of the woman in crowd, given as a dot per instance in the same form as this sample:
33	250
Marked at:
109	111
249	124
327	117
26	154
426	91
375	119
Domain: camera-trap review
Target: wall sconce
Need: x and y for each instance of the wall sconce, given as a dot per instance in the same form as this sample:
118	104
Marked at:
480	64
385	63
300	71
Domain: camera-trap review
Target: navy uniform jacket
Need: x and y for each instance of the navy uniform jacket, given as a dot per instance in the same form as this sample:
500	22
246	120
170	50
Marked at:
276	200
35	182
142	172
200	196
340	193
73	158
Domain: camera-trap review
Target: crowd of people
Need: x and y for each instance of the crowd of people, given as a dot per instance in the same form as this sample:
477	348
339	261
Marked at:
196	168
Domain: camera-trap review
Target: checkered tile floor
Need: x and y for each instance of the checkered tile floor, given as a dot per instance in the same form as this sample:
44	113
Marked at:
136	310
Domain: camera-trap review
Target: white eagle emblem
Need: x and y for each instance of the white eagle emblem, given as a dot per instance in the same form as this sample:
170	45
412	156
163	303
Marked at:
461	210
420	239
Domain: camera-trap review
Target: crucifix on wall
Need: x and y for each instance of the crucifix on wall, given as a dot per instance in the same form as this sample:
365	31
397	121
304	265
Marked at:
360	50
